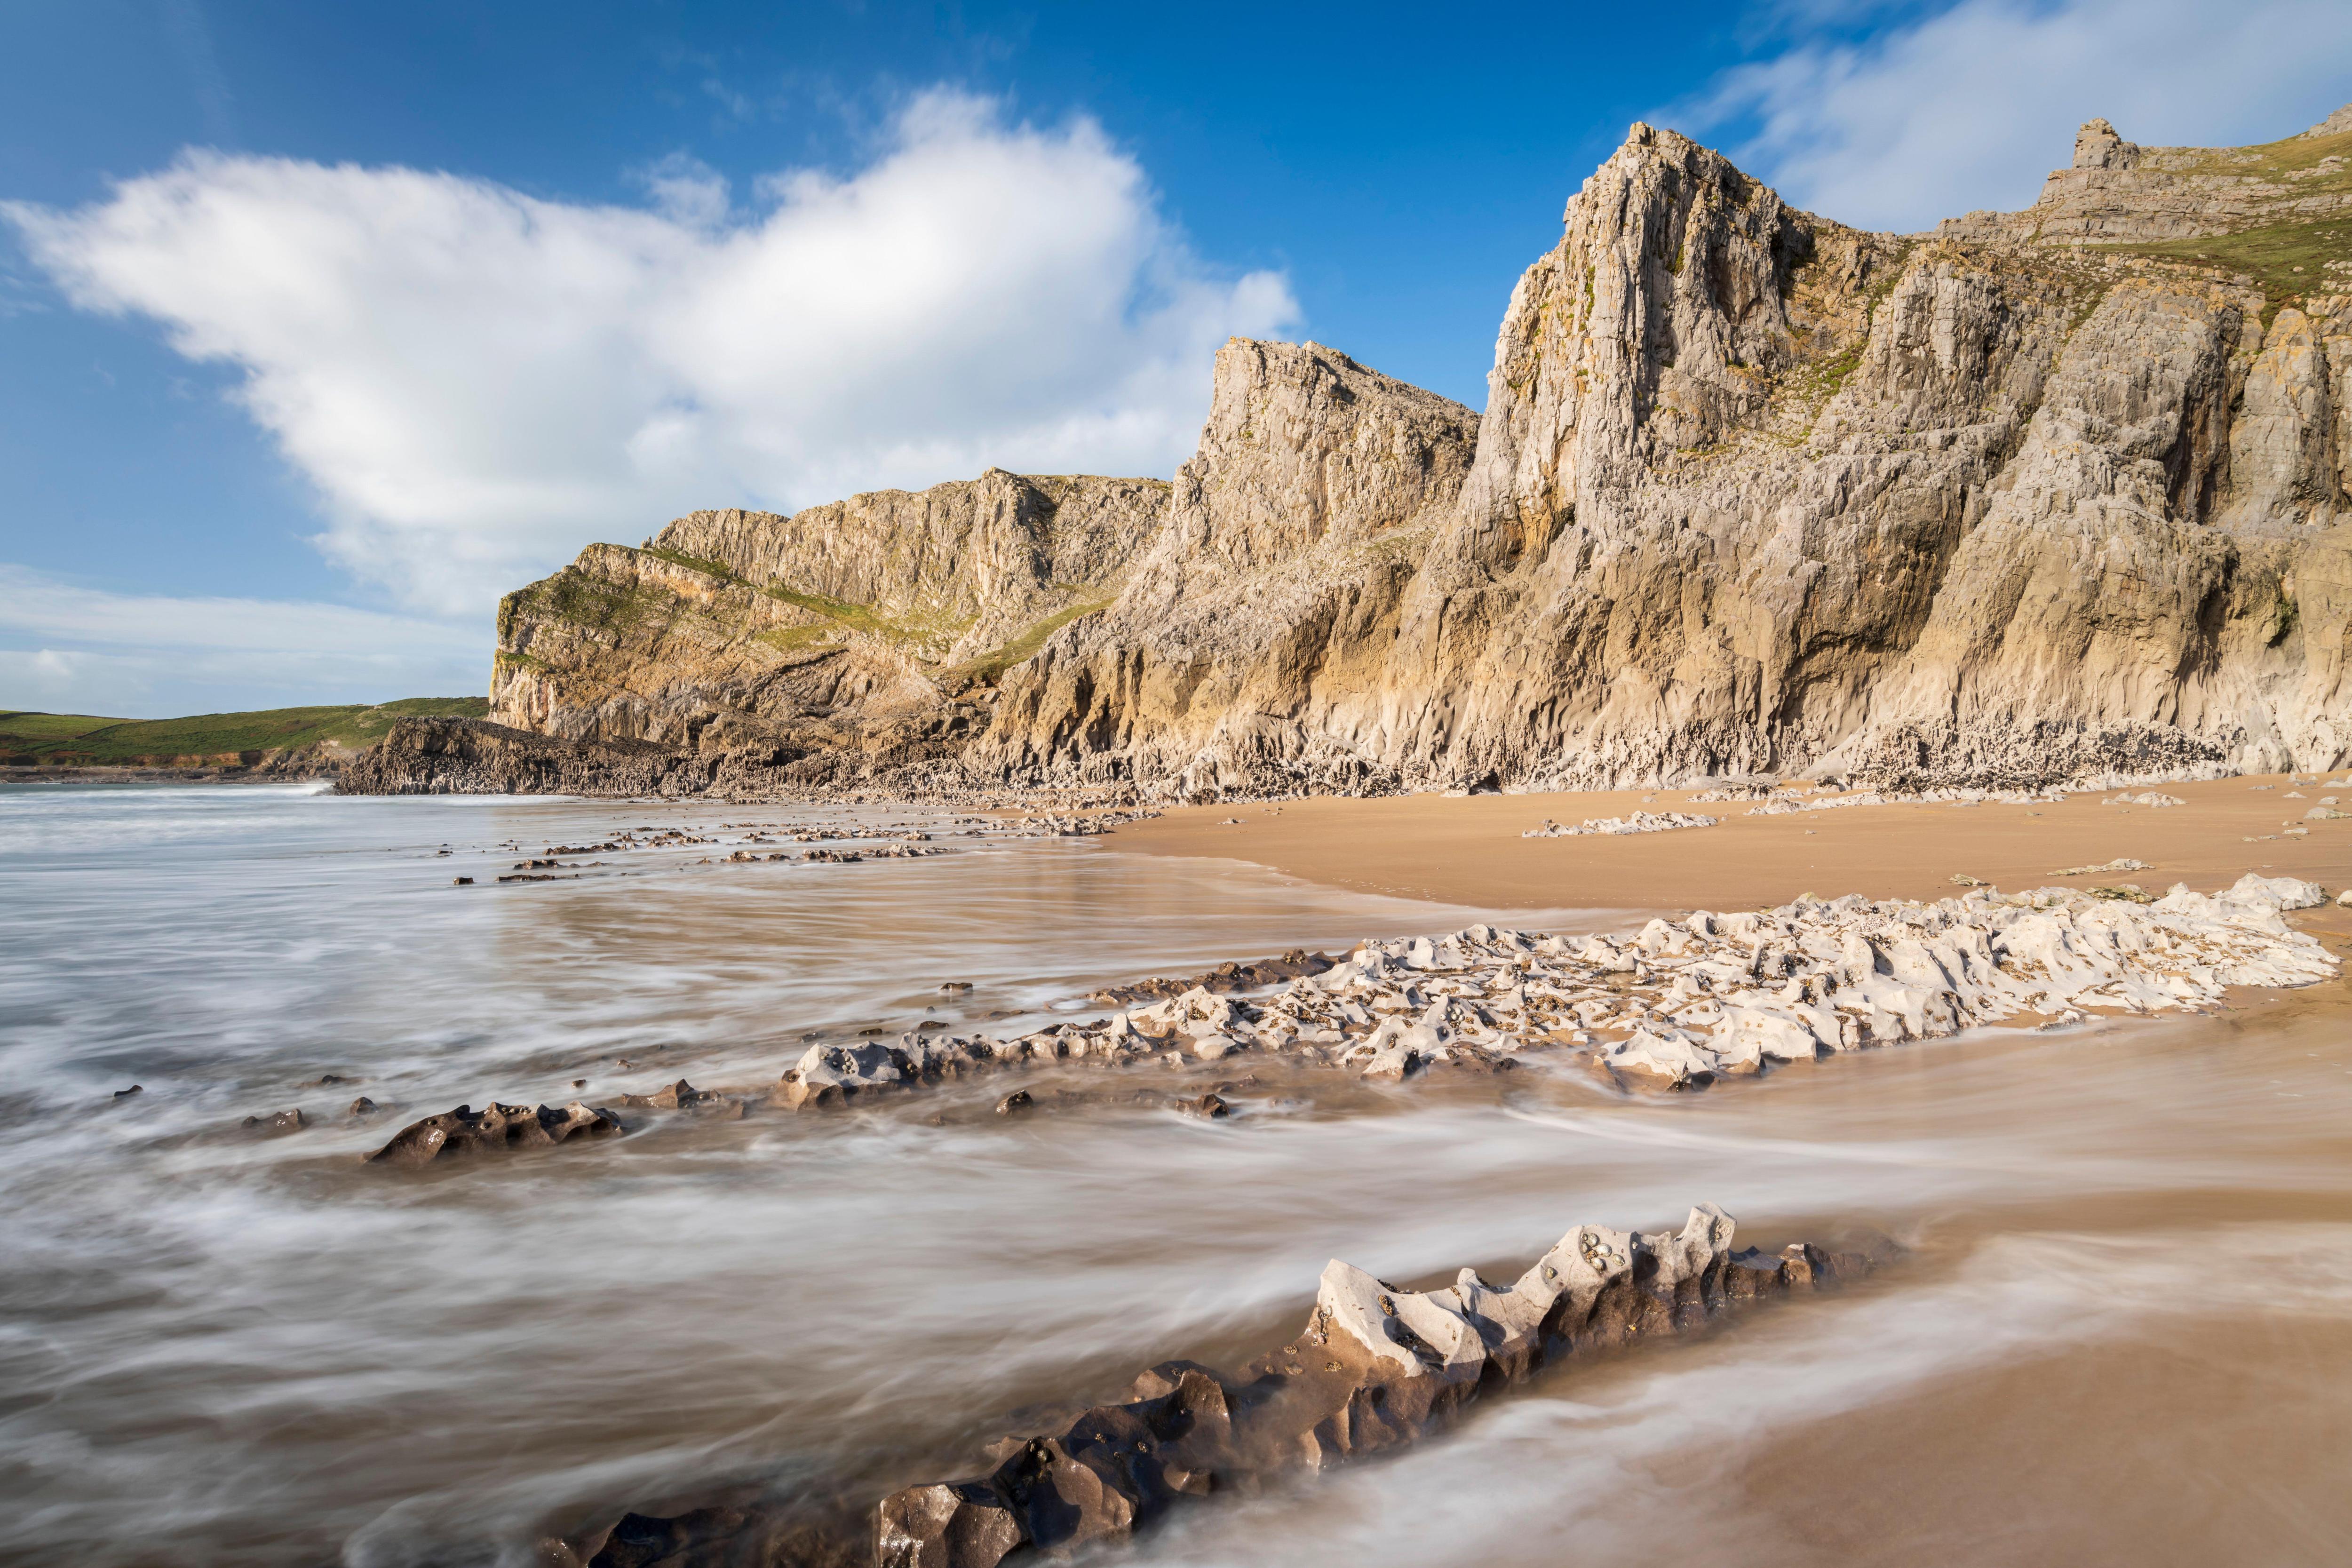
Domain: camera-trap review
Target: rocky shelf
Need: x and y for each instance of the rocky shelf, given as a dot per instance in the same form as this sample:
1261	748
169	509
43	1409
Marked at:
1679	1004
1376	1367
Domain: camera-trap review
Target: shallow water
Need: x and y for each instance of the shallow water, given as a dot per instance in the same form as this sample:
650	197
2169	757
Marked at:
2124	1333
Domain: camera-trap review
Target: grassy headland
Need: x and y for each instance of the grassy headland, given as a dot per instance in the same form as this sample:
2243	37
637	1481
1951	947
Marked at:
82	739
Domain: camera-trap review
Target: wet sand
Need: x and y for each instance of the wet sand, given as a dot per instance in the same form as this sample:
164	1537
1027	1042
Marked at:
2120	1334
1468	849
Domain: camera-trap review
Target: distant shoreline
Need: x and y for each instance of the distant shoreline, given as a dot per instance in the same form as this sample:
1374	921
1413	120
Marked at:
192	775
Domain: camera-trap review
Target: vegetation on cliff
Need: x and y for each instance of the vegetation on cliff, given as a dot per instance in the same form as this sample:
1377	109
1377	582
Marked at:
82	739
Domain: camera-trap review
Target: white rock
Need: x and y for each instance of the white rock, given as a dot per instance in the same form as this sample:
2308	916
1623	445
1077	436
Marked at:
1422	1335
1639	822
847	1067
1664	1053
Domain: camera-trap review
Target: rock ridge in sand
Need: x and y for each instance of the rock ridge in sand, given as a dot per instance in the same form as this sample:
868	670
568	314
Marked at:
1376	1367
1679	1004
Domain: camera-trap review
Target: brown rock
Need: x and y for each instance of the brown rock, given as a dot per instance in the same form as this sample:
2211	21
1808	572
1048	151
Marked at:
495	1129
678	1096
1370	1373
1752	493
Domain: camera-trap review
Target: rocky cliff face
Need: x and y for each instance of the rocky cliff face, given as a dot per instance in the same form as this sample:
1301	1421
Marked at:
1267	607
2040	495
1755	492
858	626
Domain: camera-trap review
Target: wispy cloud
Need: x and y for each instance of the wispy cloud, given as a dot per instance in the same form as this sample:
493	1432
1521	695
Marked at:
479	382
64	646
191	38
1968	107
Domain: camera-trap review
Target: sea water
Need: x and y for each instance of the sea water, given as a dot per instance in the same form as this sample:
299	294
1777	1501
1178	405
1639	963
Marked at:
2122	1331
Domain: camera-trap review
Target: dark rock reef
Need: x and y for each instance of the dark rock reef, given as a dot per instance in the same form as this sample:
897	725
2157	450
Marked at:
1375	1367
494	1130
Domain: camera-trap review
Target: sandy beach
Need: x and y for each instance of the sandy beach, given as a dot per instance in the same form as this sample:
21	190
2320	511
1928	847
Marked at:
1469	849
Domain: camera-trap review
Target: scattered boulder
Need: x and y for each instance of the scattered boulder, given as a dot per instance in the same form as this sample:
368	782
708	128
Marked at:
282	1121
678	1096
835	1074
495	1129
127	1093
364	1106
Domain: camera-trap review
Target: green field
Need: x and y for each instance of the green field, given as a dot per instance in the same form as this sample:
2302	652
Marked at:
81	739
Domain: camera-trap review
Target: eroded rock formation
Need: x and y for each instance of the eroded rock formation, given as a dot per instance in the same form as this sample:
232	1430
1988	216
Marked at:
2038	497
1683	1004
493	1130
1376	1367
1678	1005
1756	493
855	632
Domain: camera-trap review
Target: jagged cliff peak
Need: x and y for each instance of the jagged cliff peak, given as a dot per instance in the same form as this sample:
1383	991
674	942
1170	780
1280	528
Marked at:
2337	124
2041	495
2120	192
2096	146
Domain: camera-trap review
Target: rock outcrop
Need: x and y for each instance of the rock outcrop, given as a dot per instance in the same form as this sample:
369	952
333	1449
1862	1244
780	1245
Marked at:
860	626
1241	653
473	756
1682	1003
1376	1367
493	1130
1678	1005
2038	497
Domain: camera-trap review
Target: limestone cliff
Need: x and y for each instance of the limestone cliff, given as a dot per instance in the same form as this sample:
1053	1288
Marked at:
1270	602
858	625
2037	496
2057	494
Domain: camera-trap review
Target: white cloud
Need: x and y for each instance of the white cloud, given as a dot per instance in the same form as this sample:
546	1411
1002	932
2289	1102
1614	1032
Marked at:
686	190
477	381
137	654
1969	107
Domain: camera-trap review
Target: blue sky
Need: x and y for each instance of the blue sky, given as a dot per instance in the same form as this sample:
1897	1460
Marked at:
321	325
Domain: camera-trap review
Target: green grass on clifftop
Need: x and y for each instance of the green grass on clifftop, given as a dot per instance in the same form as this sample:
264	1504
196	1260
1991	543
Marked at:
84	739
2287	260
